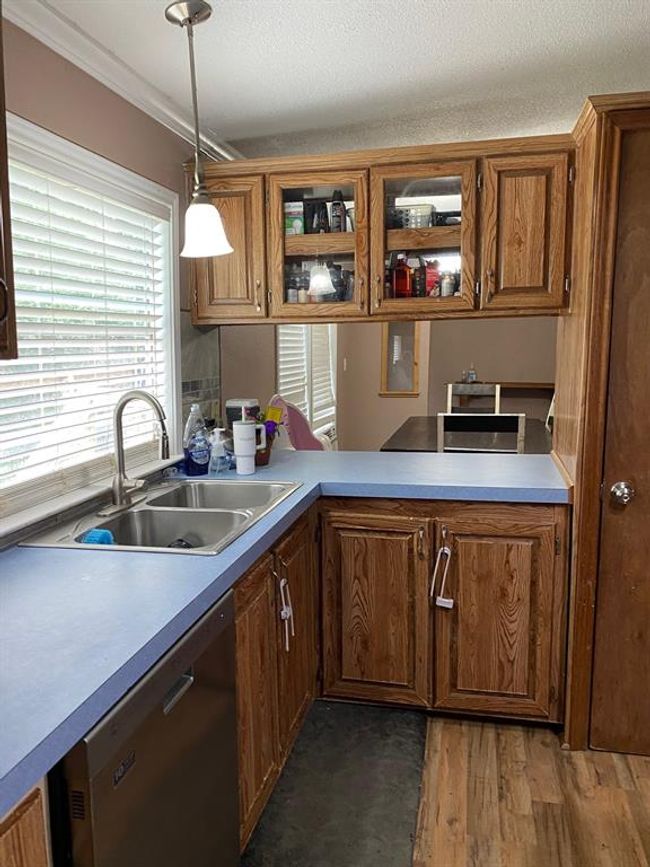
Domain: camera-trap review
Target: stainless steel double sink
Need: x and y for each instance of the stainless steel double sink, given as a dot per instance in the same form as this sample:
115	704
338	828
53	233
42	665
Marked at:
186	517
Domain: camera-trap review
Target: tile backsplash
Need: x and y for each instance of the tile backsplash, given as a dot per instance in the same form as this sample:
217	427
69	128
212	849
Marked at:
204	391
200	373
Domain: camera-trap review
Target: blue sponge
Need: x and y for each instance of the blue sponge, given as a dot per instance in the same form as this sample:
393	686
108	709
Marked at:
97	536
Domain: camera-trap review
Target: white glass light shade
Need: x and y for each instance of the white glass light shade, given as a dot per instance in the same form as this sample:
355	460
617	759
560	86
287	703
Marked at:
320	282
204	232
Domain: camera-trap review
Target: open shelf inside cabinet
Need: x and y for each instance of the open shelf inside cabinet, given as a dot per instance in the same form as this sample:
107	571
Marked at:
432	238
422	244
319	244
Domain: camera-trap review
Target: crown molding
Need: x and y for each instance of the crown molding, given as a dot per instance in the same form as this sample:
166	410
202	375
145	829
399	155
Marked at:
45	23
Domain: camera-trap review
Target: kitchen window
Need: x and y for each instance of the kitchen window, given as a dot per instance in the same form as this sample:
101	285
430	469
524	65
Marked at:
94	247
306	372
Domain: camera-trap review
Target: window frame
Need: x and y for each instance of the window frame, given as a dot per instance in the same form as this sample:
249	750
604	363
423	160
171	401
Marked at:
46	152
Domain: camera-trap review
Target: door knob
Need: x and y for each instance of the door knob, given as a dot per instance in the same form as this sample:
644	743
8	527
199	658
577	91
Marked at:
622	493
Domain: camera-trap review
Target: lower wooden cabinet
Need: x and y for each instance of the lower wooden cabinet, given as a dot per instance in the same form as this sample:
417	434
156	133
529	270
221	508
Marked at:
490	641
276	664
296	626
486	639
23	834
499	646
257	694
376	616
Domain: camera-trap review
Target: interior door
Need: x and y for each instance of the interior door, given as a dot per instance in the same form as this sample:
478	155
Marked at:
620	715
233	287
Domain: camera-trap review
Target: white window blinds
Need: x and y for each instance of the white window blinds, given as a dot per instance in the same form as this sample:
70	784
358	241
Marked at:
306	374
93	285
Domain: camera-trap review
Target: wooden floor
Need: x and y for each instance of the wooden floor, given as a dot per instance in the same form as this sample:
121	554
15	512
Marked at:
508	796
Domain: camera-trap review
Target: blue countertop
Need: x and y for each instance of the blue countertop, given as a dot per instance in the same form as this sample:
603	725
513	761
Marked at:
78	628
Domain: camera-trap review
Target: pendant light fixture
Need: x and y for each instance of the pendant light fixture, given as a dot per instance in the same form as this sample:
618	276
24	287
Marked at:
204	232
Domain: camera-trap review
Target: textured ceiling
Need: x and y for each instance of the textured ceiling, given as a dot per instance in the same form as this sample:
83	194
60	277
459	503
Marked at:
271	67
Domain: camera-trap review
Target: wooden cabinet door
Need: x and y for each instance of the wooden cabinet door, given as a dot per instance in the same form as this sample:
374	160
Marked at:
257	698
524	224
395	192
499	649
233	287
8	347
22	834
292	256
296	631
376	616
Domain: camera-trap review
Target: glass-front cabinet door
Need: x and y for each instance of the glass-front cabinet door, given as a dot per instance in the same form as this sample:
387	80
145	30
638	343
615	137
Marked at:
318	240
423	238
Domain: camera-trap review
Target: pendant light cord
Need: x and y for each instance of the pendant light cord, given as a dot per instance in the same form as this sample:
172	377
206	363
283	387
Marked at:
198	172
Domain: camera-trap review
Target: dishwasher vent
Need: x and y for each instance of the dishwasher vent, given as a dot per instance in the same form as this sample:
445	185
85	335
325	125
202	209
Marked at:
78	804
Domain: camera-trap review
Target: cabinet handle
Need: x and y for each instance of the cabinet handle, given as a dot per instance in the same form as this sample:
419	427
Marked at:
378	293
442	601
490	282
4	294
360	284
421	543
258	286
176	693
286	612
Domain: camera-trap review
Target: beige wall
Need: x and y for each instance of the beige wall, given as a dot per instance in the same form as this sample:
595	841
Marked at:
364	419
501	349
247	362
46	89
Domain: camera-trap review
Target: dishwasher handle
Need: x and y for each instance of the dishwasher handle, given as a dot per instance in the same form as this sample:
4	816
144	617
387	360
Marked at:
177	691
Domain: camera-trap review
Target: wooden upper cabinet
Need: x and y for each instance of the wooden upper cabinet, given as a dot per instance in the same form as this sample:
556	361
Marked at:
425	213
307	230
296	631
376	643
523	231
8	346
233	287
499	647
257	698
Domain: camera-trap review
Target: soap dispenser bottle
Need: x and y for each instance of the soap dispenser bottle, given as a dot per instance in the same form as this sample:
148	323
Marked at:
196	445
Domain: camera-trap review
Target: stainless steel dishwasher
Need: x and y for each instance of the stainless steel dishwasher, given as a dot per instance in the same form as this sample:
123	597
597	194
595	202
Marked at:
155	783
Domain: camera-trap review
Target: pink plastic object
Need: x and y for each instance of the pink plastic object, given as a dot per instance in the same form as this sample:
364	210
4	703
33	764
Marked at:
298	429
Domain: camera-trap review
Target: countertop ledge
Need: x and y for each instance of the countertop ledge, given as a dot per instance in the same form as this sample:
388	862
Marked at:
79	628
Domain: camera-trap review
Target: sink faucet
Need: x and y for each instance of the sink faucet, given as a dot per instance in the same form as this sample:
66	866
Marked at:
122	485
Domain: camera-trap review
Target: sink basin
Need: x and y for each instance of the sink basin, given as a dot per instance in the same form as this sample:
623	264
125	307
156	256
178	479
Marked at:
222	495
193	517
181	529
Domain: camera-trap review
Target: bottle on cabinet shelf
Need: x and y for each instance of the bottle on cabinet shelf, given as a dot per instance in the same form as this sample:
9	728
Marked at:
337	211
401	278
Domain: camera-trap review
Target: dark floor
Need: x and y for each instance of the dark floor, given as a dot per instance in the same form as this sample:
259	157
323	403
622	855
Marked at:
349	793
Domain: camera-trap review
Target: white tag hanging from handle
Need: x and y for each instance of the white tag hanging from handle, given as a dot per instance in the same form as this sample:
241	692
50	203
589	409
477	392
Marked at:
443	601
